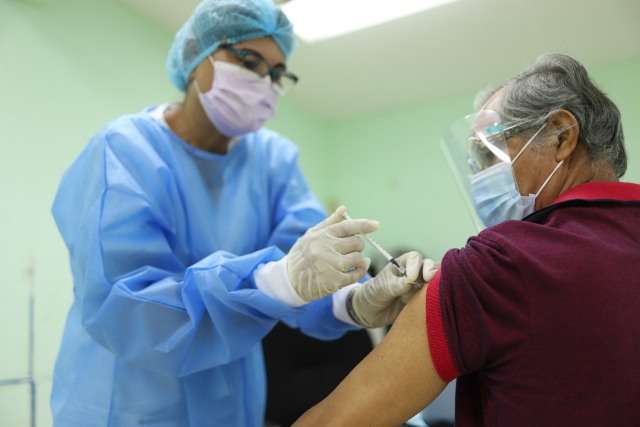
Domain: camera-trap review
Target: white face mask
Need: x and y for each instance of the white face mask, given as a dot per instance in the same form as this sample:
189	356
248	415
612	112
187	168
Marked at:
495	194
239	100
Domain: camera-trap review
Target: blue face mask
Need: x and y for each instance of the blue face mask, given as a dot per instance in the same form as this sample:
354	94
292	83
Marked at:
495	194
496	198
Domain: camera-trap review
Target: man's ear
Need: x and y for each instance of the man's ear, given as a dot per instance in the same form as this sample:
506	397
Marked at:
564	126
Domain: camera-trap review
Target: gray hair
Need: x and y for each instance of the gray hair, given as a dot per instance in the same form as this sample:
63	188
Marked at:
557	81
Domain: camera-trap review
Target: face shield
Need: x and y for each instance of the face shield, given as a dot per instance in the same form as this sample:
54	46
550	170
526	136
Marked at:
477	152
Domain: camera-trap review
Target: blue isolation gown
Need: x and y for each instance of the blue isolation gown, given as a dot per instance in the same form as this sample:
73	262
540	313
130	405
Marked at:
166	323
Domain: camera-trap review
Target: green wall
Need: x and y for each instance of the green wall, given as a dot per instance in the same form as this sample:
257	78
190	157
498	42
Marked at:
69	66
314	140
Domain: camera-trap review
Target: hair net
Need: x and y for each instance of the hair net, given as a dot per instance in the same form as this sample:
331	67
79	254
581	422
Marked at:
231	21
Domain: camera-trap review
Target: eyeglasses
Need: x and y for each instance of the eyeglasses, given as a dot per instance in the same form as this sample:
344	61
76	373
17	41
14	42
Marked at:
281	79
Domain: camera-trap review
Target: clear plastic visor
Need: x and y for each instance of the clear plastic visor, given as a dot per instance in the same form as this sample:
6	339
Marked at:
474	144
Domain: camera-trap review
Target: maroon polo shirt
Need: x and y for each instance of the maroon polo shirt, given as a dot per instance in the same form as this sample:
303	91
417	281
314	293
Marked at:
539	319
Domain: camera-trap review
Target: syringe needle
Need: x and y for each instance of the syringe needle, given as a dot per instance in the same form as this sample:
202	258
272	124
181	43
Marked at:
382	251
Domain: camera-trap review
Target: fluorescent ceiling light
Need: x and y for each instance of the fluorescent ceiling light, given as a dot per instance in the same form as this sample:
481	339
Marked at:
316	20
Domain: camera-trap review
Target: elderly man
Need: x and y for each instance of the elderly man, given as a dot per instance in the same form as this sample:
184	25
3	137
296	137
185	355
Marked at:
538	316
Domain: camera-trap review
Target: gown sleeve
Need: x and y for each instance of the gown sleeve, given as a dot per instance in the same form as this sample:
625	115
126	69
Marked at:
136	295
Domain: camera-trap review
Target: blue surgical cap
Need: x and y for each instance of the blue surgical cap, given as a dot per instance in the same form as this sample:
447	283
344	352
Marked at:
229	21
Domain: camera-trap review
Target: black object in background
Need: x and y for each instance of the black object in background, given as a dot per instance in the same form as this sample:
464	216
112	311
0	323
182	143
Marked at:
301	371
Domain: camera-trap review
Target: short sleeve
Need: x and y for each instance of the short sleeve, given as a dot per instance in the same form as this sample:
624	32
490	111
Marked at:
477	306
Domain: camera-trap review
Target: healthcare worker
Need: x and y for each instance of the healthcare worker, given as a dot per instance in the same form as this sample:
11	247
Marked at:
538	316
177	221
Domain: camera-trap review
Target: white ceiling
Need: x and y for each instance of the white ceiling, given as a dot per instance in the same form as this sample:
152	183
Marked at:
454	49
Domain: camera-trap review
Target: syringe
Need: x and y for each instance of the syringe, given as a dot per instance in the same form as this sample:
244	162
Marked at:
382	251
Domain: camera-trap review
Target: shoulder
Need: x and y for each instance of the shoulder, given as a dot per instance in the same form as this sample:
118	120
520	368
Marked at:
127	152
522	241
135	142
479	304
513	237
135	135
117	157
499	255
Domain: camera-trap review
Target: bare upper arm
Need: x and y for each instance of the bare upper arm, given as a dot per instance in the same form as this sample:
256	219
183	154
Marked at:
393	383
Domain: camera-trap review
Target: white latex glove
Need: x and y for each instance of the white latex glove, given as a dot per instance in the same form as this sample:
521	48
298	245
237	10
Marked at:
429	270
379	300
329	256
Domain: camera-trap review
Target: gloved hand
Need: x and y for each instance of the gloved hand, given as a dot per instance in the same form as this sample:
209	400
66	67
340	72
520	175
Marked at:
329	256
379	300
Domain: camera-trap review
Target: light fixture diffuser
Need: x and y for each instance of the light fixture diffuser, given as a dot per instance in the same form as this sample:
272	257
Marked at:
316	20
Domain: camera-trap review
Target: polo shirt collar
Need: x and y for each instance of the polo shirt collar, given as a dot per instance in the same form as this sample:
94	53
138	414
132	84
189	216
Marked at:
602	190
